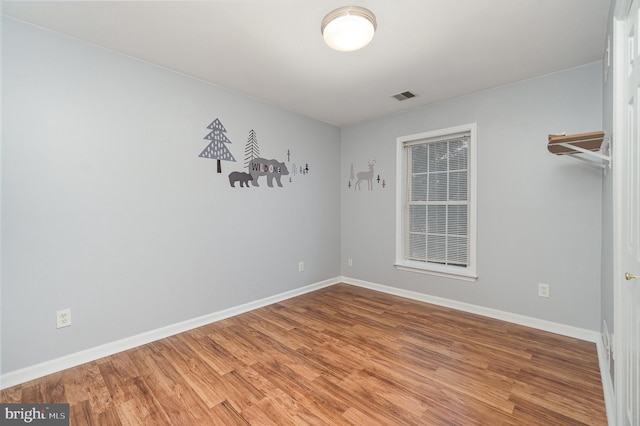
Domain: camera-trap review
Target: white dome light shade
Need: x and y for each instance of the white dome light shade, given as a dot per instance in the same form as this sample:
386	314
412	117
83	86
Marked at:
348	28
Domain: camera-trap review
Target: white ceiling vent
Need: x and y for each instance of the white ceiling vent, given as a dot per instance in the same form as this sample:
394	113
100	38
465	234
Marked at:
403	96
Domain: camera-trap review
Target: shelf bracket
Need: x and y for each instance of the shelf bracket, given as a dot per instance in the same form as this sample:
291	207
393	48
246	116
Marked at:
592	148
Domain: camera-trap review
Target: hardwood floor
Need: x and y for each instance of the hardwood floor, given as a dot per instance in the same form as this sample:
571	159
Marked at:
339	356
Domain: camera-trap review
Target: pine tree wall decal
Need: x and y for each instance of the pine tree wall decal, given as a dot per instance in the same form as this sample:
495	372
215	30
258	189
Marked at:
217	149
251	150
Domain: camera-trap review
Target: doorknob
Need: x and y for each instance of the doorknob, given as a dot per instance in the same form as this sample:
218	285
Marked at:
628	276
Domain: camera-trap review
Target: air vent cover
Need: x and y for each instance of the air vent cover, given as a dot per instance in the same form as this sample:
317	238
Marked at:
403	96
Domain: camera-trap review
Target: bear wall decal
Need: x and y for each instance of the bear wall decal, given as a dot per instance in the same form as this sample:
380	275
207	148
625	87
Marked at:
241	177
269	168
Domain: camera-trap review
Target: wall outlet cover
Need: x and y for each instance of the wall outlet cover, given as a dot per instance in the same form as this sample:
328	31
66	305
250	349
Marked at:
63	318
543	290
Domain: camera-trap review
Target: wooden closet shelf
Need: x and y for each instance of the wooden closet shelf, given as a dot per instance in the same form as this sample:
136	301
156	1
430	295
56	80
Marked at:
564	144
591	147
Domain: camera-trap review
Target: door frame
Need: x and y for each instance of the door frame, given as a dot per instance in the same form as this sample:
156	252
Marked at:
618	144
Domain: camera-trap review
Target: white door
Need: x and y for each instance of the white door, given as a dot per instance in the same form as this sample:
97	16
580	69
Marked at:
626	186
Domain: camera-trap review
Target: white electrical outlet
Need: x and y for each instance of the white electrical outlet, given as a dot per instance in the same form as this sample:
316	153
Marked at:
300	266
350	262
543	290
63	318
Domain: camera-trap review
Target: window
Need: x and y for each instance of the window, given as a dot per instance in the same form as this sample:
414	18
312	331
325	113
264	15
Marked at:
436	202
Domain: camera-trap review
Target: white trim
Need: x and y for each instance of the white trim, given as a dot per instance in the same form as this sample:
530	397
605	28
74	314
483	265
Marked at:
553	327
540	324
410	267
621	12
622	9
466	274
49	367
607	383
55	365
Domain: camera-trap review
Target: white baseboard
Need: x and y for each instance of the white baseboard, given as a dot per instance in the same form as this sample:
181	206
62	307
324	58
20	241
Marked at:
553	327
607	383
562	329
49	367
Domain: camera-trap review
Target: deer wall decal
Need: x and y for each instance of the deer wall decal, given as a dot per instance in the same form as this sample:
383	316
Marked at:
368	176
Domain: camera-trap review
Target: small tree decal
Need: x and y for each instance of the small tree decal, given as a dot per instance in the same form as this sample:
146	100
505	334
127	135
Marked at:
251	150
217	150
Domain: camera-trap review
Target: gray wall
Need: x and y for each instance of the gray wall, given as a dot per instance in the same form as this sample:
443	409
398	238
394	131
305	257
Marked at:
108	210
539	215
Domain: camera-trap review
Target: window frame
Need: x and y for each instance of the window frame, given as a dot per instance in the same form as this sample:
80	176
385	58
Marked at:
402	184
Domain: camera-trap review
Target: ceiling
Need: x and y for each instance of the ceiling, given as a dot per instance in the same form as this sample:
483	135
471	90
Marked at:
272	50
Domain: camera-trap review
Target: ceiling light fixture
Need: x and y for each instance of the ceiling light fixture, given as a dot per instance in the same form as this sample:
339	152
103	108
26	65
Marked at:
348	28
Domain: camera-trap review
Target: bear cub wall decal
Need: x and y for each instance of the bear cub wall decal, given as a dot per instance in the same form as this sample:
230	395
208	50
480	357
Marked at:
241	177
269	168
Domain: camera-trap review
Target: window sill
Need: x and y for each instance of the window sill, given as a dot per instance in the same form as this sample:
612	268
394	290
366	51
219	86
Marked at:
444	272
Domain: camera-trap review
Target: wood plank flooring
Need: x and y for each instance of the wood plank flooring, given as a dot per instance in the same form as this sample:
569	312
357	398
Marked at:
342	355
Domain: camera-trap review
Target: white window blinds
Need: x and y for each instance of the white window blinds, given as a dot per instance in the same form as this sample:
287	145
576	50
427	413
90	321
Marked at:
437	204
